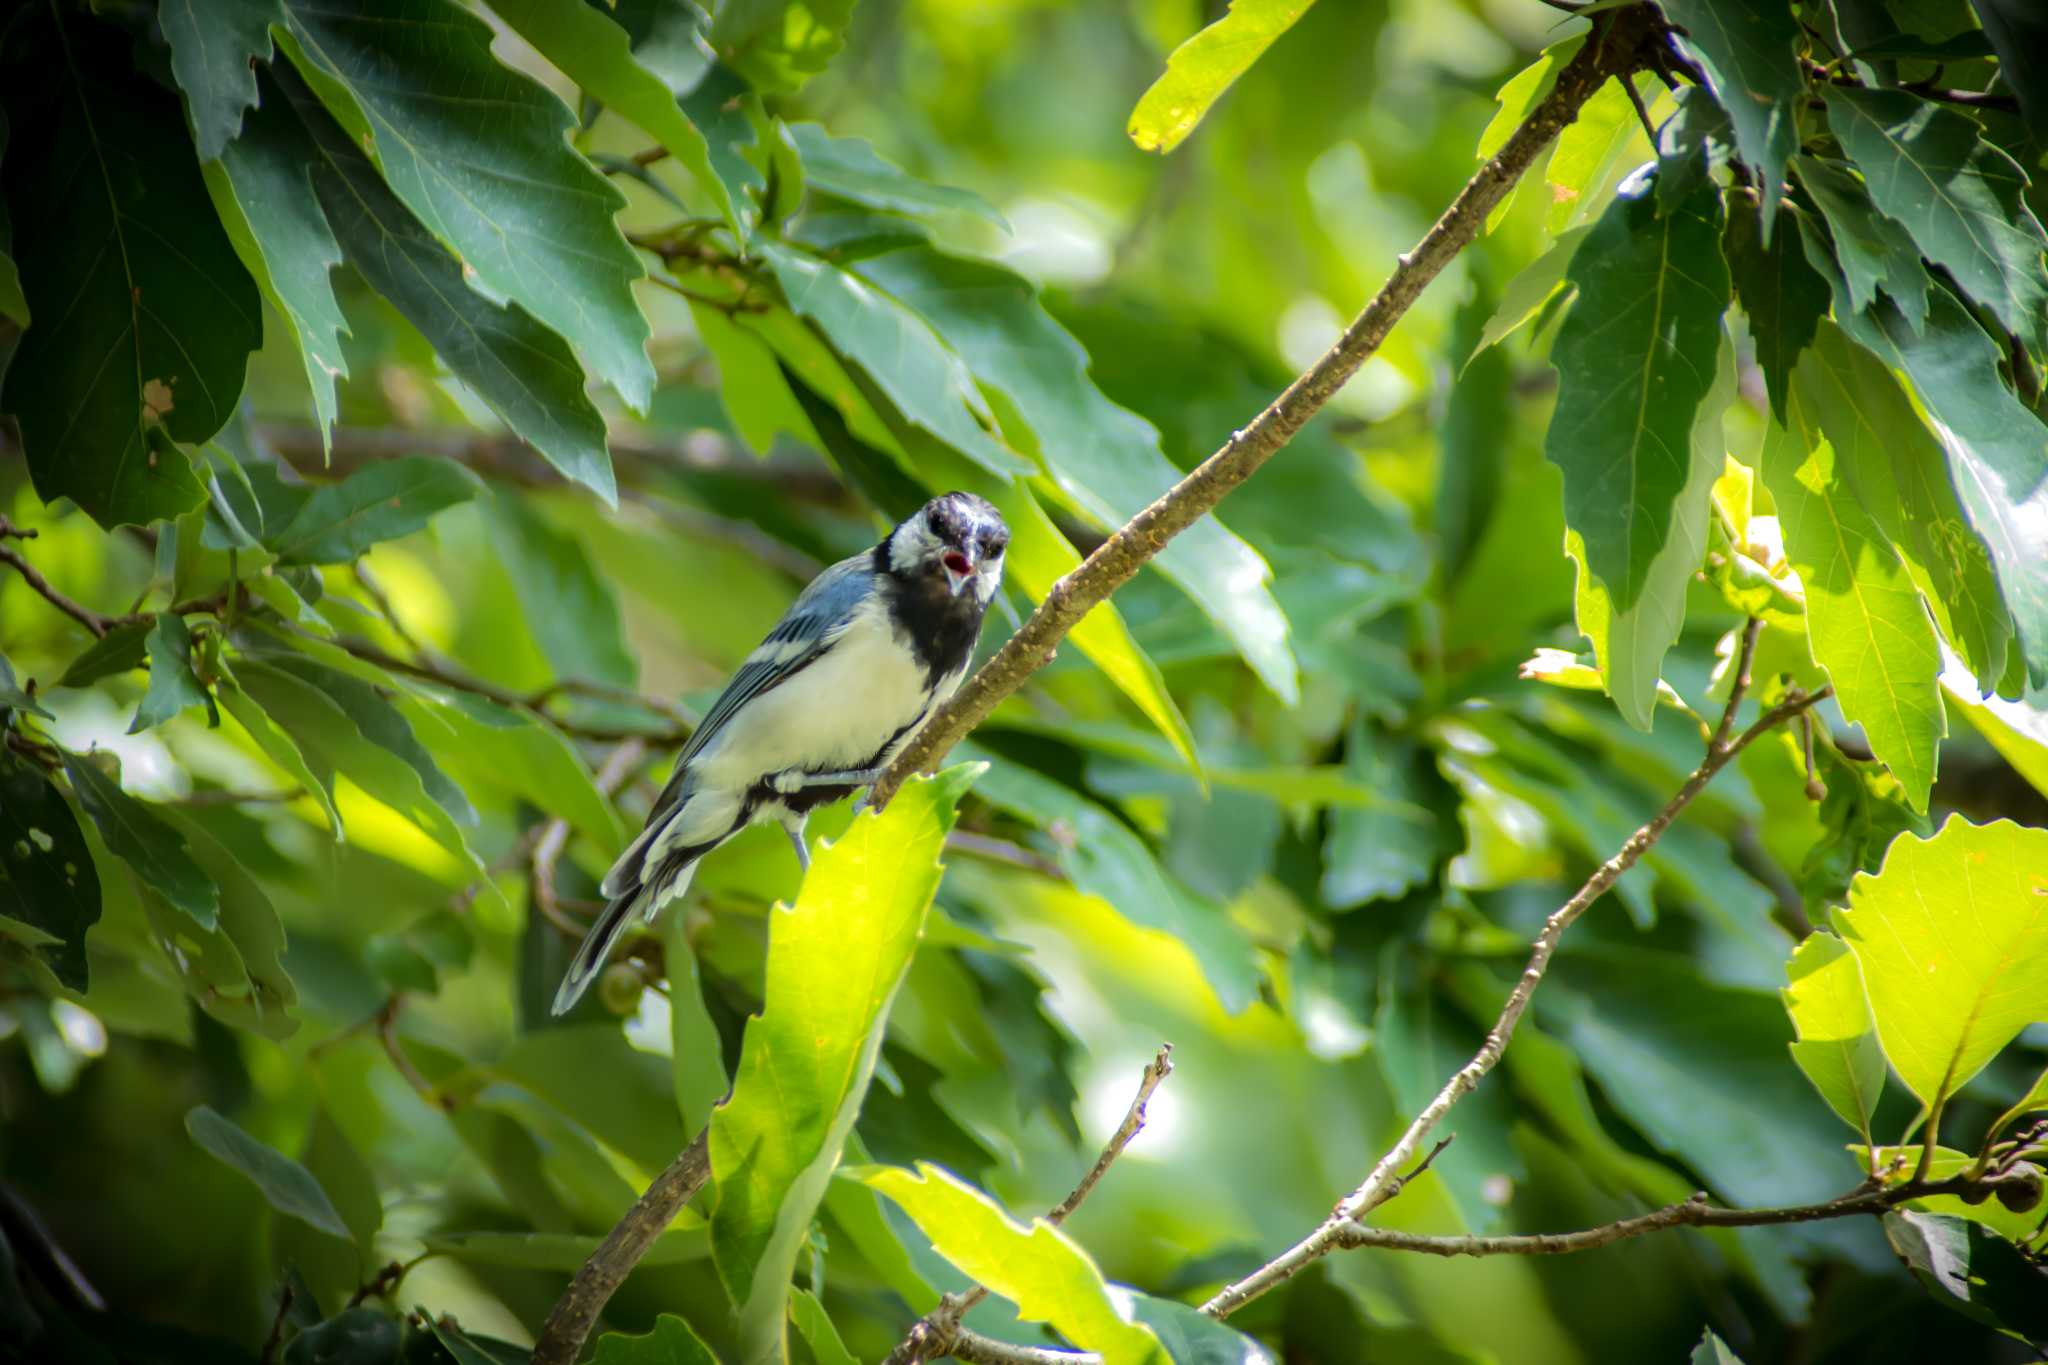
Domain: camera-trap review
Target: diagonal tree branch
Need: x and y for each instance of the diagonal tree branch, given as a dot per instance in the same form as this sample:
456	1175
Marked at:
1617	46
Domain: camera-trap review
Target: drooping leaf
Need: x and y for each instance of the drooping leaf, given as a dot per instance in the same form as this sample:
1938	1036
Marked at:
1206	65
1952	939
173	685
234	971
153	848
1630	641
530	219
119	650
2018	32
122	259
1783	297
216	46
815	1327
571	610
1589	153
1685	144
672	1342
355	1336
524	371
595	52
1978	1274
1530	290
1900	476
1635	358
1713	1351
1865	624
47	877
1747	48
835	960
1192	1337
286	1185
1039	1269
1837	1046
779	44
1873	250
381	501
1104	458
850	168
1960	197
520	753
280	749
1381	853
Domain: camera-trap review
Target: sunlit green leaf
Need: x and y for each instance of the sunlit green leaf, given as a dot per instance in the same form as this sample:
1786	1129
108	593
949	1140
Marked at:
779	44
1837	1046
835	960
1747	48
1952	938
1205	66
1039	1268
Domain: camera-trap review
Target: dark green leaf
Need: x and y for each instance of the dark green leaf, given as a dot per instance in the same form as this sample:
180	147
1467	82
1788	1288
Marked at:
570	610
779	44
1192	1337
119	650
381	501
850	168
524	371
154	849
234	971
1783	297
566	1251
1382	852
12	303
672	1342
1872	249
215	48
123	260
1747	47
1973	1271
2017	31
173	685
1478	425
1635	356
288	1186
1685	144
475	1350
530	218
281	750
47	877
13	697
359	1336
1960	197
1863	811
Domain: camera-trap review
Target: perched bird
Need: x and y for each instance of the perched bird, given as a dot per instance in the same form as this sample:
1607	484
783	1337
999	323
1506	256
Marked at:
858	663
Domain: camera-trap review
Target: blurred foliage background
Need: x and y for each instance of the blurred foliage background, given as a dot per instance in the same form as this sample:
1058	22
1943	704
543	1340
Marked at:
1322	920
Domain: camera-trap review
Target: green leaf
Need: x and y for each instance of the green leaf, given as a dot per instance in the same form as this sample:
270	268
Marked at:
529	218
279	748
1531	289
1105	459
1039	1269
1205	66
173	685
571	610
1713	1351
851	169
519	752
616	1092
1837	1047
1952	939
1630	642
1685	143
1977	1273
1192	1337
355	1336
216	46
1105	859
779	44
524	371
1635	358
1897	468
1865	624
898	349
2018	32
817	1330
684	1242
672	1342
593	51
286	1185
47	877
2018	730
124	261
1960	196
235	971
381	501
835	960
119	650
1783	297
1379	853
155	850
12	303
1873	250
13	697
1747	48
1589	153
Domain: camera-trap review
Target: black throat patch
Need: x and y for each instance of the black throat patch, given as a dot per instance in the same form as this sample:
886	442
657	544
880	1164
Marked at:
942	628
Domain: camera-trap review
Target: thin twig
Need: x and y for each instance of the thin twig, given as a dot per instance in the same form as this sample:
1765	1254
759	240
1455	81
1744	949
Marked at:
96	622
937	1332
1003	851
1373	1191
285	1295
1615	48
554	837
386	1019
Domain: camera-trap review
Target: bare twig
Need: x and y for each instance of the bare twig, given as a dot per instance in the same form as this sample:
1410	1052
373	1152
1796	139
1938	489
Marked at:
285	1295
96	622
386	1020
554	837
1375	1189
938	1332
1615	48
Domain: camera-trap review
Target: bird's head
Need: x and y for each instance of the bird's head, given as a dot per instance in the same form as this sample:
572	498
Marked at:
956	539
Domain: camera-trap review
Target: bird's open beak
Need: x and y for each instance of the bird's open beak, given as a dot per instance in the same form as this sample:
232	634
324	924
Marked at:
959	569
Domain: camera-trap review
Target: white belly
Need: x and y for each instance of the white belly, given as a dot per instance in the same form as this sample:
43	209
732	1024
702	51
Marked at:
835	714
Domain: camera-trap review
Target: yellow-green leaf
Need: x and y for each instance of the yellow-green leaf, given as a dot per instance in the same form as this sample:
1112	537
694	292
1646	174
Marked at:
835	959
1039	1268
1205	66
1951	936
1837	1047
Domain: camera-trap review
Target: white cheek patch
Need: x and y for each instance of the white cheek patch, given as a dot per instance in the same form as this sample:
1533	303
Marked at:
988	578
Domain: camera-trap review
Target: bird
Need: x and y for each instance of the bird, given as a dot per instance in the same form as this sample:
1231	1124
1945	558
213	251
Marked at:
856	666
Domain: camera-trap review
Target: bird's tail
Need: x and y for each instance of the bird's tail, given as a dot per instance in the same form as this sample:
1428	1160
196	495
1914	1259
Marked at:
604	934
